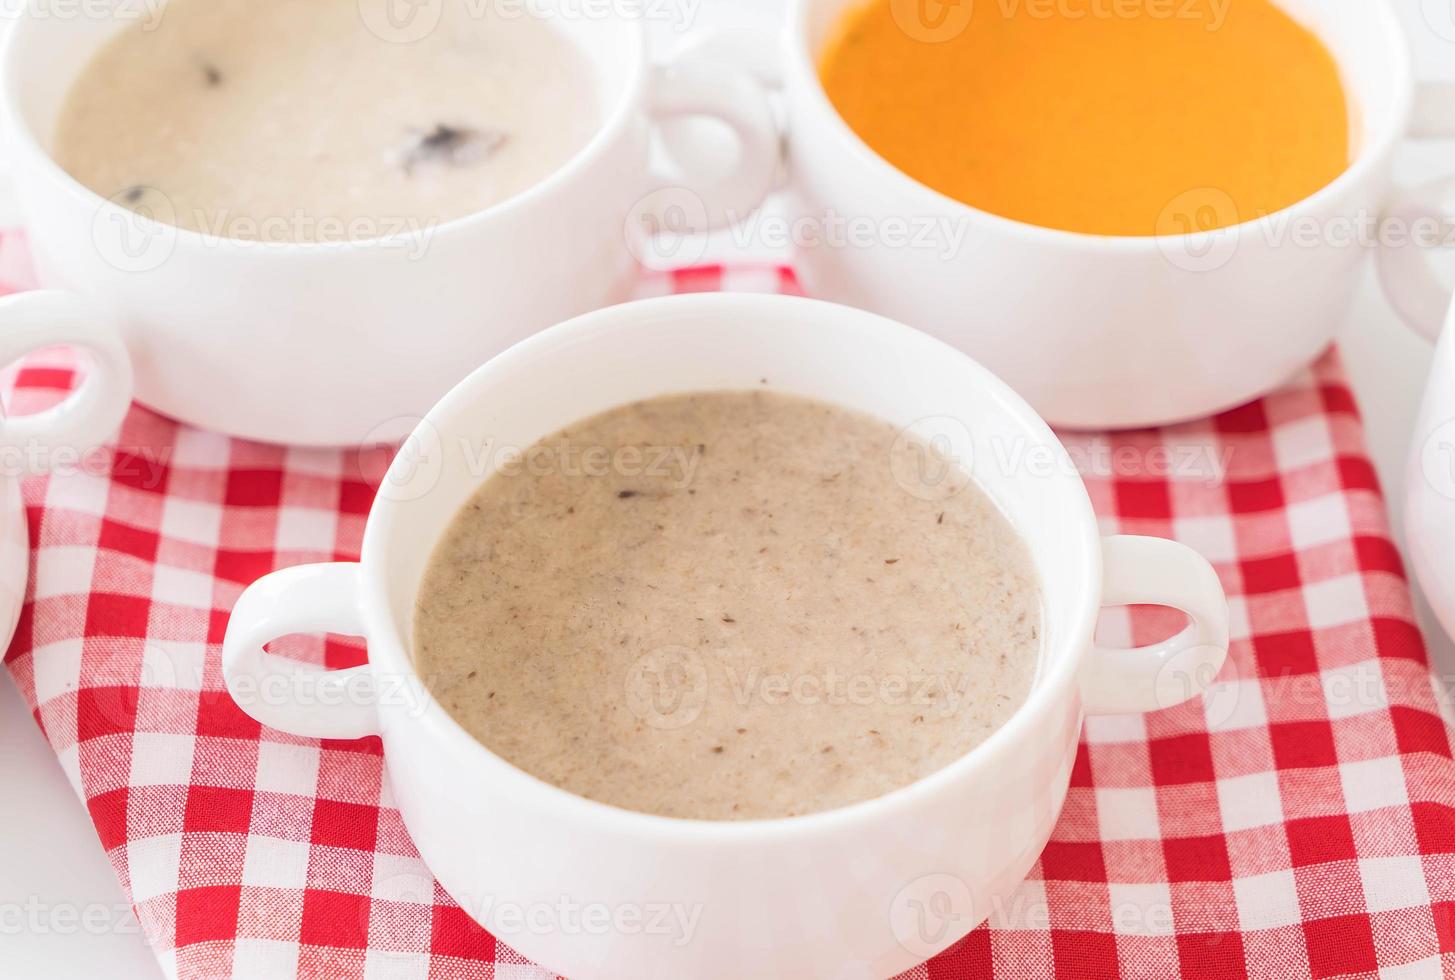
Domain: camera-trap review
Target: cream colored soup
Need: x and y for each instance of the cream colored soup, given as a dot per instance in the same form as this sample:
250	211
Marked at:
285	121
728	606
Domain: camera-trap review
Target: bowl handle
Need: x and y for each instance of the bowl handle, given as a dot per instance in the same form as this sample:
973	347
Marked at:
1424	216
91	413
690	197
292	697
1157	572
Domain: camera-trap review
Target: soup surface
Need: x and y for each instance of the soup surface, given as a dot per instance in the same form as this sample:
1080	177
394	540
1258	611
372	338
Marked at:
729	605
1138	117
304	121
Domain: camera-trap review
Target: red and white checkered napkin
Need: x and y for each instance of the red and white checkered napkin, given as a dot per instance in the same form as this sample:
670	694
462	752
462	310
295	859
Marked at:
1299	821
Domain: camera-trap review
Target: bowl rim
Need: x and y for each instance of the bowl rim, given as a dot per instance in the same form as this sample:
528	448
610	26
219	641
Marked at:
801	73
1057	679
613	122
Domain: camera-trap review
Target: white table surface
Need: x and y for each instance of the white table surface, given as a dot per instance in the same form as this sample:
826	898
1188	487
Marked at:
53	872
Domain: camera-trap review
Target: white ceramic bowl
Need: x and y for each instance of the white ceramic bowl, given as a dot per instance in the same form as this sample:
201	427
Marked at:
1421	294
1429	498
345	342
1094	331
836	893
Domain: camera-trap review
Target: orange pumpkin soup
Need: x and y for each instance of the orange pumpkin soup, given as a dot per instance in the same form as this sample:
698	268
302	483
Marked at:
1110	117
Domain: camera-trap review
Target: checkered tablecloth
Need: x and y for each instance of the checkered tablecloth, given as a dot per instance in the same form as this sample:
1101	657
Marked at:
1297	821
